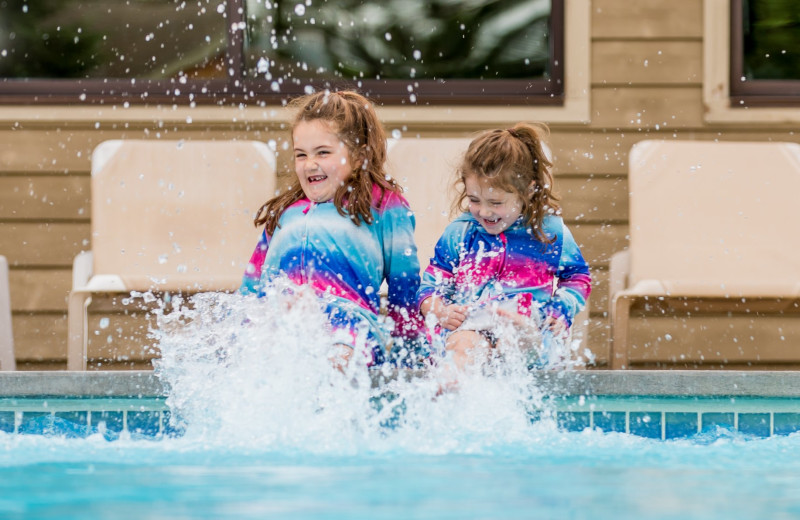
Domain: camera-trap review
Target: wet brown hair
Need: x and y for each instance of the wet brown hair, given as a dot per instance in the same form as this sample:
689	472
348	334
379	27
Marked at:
513	160
352	118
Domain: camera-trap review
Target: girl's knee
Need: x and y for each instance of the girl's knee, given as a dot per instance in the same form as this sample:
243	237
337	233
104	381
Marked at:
464	341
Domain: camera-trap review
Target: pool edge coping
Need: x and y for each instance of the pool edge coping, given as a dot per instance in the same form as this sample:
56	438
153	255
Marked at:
605	382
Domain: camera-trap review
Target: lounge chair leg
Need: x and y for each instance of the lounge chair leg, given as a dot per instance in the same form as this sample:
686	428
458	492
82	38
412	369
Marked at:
618	348
77	326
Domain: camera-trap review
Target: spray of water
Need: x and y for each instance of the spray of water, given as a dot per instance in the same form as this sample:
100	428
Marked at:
257	372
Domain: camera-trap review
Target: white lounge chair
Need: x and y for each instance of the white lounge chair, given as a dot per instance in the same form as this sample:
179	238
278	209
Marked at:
710	222
169	216
7	359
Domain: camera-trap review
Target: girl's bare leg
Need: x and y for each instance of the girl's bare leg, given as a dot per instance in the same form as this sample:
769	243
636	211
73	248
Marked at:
341	357
463	345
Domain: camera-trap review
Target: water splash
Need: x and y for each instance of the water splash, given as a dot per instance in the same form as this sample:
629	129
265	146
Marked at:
256	372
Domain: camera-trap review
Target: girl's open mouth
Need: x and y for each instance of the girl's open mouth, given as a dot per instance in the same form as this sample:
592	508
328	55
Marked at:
317	178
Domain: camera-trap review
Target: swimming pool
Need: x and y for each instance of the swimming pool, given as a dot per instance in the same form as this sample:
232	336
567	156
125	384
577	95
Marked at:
700	445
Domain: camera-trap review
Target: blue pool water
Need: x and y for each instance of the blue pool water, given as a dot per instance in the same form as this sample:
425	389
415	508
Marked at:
54	467
559	475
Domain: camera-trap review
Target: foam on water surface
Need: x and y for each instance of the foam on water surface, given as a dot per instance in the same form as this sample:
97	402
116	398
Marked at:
257	371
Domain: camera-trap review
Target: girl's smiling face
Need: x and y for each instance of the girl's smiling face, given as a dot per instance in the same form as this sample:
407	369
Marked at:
495	209
321	160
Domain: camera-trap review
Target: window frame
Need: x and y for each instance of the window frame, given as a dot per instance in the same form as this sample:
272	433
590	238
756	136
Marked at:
240	90
754	93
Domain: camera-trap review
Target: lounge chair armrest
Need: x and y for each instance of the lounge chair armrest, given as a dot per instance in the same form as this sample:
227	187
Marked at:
82	269
618	270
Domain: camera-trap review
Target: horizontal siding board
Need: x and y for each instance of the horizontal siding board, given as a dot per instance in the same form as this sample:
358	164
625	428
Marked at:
114	336
40	337
47	151
715	339
647	108
598	300
598	241
43	244
43	337
598	341
55	150
39	290
45	198
599	152
605	151
593	199
647	63
647	19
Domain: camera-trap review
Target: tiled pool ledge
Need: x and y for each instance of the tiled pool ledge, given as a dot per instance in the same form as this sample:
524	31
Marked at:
660	405
574	383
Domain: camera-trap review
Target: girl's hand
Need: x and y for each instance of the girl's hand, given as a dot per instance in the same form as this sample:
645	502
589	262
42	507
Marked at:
452	316
558	328
449	316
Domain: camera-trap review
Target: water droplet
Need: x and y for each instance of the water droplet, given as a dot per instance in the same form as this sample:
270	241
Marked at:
104	323
299	9
162	259
221	8
397	134
388	36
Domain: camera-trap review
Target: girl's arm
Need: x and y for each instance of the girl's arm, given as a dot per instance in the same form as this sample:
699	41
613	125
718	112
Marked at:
401	269
437	288
437	280
251	281
573	284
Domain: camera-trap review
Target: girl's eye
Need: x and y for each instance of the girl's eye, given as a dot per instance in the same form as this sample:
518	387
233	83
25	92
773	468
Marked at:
299	155
497	204
323	152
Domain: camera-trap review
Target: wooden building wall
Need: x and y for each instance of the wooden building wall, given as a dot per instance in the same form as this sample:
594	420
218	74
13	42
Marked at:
646	81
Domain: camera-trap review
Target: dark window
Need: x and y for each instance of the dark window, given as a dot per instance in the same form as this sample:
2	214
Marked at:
263	51
765	52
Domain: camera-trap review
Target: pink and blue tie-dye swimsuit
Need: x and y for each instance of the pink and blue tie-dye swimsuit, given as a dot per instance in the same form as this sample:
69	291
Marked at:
316	246
473	267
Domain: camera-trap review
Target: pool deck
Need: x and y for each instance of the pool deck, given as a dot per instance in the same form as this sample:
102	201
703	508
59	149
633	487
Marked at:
568	383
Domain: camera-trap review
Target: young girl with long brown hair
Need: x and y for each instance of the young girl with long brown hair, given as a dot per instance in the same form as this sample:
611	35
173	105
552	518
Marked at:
343	227
509	254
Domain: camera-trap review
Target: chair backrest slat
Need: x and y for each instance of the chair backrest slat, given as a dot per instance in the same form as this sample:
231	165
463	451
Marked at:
426	167
177	215
715	218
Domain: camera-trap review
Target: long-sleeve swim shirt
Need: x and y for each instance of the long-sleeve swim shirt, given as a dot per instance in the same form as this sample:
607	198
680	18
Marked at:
314	245
471	266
